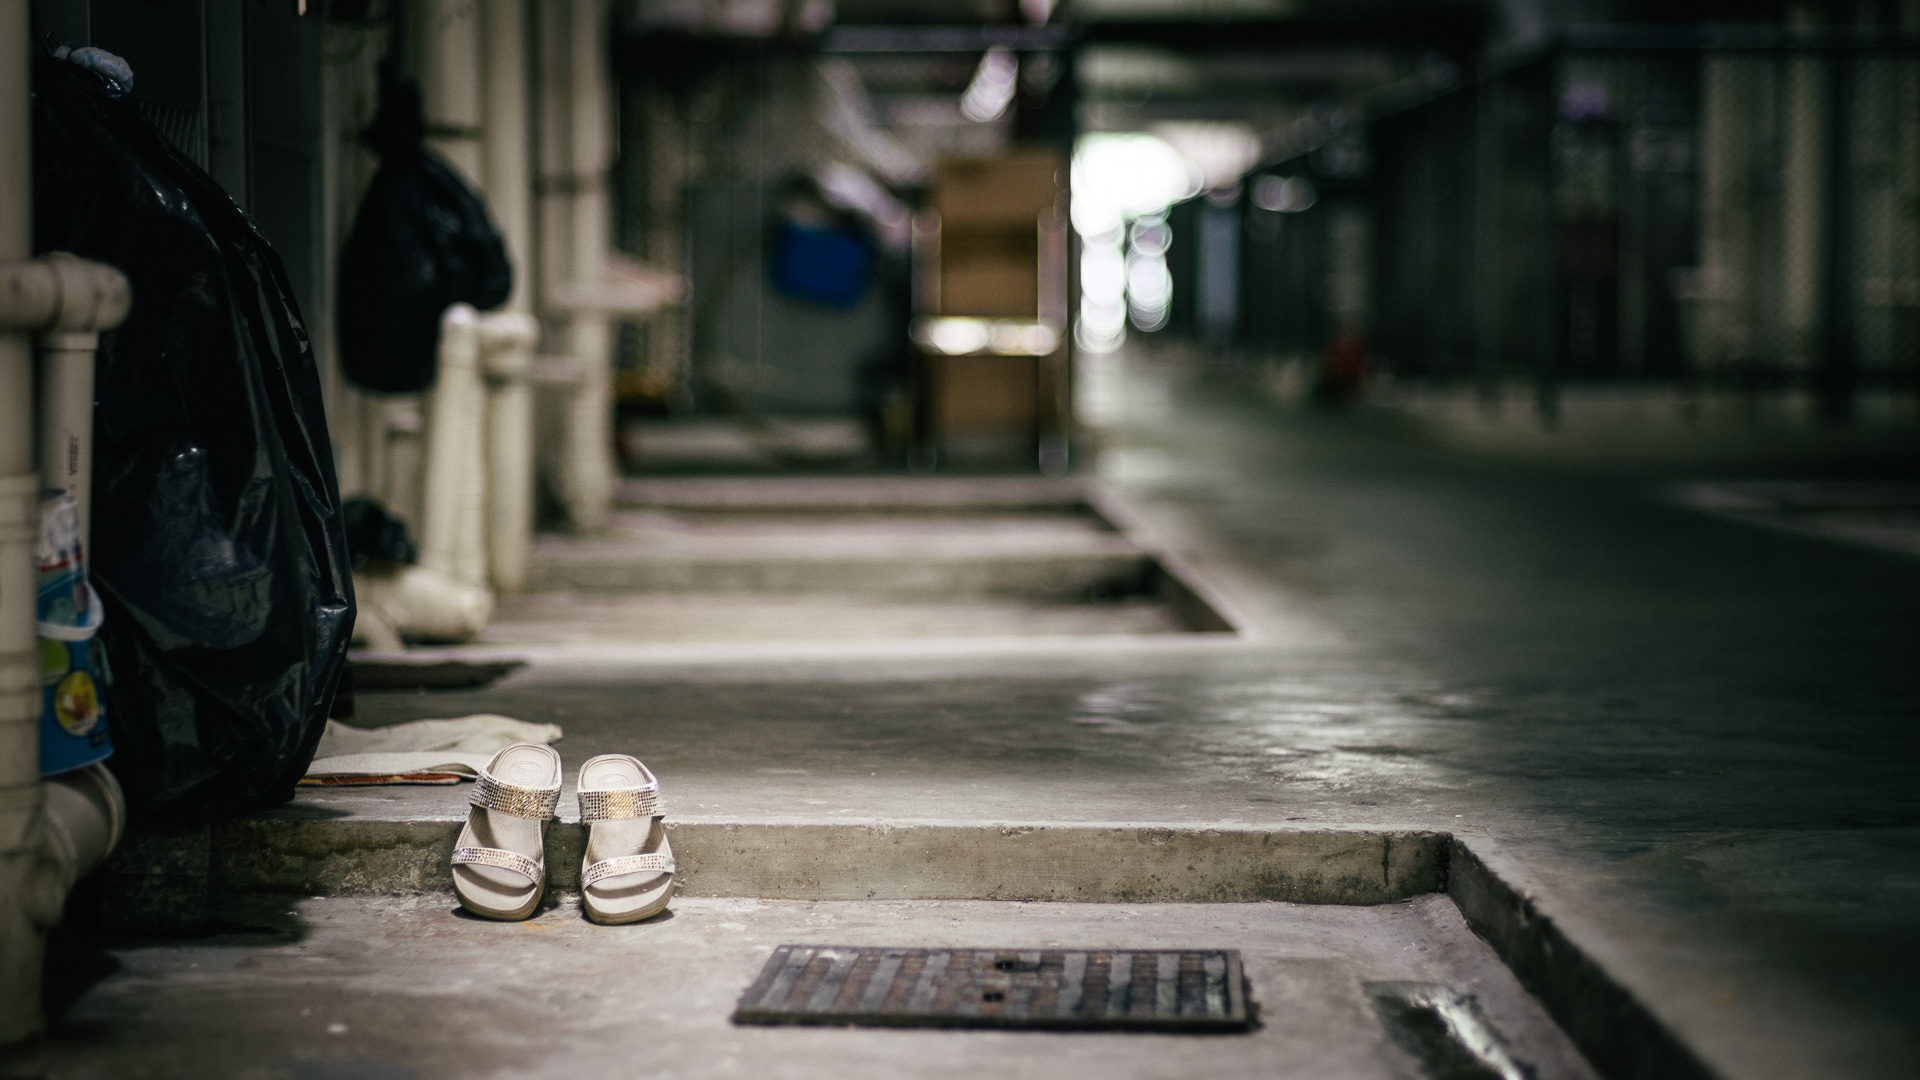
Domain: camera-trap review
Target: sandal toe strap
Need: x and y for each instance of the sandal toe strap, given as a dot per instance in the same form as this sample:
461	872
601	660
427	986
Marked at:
626	864
616	804
500	857
514	800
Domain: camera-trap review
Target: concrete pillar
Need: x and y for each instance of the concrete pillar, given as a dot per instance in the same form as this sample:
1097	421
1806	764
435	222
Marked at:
1489	252
589	333
1805	143
1735	118
574	105
669	347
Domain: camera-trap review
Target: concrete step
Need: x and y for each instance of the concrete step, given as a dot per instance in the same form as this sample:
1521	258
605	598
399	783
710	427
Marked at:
642	619
724	538
871	493
162	880
1077	573
684	556
406	987
183	881
861	537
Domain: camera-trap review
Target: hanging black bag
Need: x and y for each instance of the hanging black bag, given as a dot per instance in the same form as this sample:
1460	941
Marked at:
420	242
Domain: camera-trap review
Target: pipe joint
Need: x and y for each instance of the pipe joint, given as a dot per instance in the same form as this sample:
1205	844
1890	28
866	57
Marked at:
506	347
63	295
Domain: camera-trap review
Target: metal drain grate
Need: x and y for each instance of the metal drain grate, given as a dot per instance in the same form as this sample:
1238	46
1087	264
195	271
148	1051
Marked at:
1146	989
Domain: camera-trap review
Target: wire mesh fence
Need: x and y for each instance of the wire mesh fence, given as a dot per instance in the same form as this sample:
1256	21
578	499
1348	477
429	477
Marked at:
1743	215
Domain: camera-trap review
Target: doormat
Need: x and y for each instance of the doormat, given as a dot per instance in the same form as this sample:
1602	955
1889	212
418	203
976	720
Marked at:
1178	990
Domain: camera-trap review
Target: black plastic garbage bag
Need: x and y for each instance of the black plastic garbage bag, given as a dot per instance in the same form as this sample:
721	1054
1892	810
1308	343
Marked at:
420	242
374	536
217	542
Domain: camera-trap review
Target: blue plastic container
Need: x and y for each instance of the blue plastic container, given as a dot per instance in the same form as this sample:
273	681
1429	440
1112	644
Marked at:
825	266
73	666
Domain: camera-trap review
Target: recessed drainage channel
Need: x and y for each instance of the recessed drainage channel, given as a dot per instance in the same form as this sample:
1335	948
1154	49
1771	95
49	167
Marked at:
1168	990
1445	1032
770	561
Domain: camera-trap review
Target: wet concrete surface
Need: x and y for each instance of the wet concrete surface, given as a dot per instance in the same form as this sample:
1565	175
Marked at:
407	989
1697	739
1701	735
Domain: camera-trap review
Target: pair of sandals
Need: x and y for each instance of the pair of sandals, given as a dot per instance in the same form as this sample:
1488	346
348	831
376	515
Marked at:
500	860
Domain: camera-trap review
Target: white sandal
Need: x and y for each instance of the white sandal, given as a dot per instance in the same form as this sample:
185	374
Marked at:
500	860
627	873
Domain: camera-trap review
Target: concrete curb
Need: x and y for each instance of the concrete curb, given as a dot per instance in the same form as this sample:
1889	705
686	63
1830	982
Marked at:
155	883
1619	1034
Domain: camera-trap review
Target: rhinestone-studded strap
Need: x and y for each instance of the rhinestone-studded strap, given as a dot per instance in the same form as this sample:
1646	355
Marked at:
511	799
505	860
620	803
626	864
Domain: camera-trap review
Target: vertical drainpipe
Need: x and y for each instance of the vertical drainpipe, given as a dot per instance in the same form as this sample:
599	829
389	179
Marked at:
589	453
20	794
506	175
452	537
476	520
70	300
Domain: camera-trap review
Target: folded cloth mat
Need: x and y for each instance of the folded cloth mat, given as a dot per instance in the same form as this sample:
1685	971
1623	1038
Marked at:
419	752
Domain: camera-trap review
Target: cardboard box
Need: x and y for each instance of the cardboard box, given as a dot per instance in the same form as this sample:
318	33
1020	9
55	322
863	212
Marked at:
1001	191
986	395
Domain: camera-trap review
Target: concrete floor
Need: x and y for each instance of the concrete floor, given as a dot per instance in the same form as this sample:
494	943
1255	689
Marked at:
1695	740
407	989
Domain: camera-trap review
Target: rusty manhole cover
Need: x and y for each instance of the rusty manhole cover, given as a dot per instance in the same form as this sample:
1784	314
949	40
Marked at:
1140	989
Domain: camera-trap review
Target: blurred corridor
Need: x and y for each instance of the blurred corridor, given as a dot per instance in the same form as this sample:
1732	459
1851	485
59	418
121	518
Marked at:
1423	493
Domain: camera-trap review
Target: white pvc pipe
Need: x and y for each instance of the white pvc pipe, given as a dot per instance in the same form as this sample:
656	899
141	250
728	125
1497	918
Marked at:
453	514
48	294
92	297
86	814
420	603
21	949
507	347
448	37
509	192
42	854
445	598
508	175
590	332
